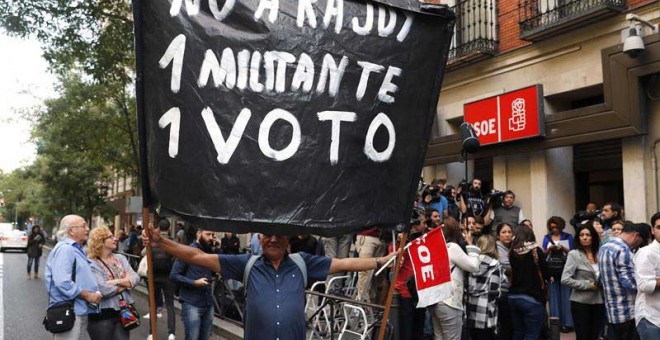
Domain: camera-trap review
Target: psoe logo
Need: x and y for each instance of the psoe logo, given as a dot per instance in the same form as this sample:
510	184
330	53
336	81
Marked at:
517	120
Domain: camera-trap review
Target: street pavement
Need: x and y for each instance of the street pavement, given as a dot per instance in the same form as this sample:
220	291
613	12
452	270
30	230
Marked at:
23	303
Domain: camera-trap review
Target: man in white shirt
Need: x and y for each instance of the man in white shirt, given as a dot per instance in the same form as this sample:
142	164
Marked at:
647	275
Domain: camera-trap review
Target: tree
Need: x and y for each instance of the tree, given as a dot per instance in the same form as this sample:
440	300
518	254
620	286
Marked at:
93	39
88	134
96	36
81	141
23	196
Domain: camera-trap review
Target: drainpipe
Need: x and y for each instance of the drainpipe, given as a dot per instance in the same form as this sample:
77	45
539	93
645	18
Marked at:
654	166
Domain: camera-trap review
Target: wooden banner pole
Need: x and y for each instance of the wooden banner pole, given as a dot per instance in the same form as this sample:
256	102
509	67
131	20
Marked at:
390	292
150	278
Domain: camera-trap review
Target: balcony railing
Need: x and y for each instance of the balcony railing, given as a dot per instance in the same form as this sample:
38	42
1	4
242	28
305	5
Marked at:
476	31
541	19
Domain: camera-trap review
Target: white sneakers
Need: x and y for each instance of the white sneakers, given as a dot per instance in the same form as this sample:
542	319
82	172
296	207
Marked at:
159	315
171	337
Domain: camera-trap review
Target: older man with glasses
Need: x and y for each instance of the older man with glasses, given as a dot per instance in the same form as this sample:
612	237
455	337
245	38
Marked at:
69	275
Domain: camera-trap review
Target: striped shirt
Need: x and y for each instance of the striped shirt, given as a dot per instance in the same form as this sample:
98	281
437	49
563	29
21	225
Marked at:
617	270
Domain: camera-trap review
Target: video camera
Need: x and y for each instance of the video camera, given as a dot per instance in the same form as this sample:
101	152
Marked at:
464	185
495	198
583	216
432	190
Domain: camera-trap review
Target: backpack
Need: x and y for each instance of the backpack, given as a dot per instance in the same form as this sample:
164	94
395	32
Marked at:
295	257
162	262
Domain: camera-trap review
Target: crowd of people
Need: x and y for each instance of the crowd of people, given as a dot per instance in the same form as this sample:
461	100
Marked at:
600	281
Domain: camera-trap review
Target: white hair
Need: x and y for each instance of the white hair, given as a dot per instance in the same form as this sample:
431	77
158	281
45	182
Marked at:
65	225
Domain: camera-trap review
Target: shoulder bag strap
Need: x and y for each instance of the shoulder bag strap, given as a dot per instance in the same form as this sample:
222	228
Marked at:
535	254
73	277
121	295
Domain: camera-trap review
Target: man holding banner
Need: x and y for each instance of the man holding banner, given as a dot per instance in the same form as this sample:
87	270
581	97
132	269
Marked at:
275	293
280	117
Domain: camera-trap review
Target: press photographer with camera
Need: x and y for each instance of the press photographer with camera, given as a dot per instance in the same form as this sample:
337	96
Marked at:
432	198
583	216
502	210
473	201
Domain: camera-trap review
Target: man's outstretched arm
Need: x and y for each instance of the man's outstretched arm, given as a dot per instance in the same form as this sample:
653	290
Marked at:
358	264
187	254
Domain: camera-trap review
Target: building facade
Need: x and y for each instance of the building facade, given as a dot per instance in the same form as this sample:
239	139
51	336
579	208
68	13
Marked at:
599	107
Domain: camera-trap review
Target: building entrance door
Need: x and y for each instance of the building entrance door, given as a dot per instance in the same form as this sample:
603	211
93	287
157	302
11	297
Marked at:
598	173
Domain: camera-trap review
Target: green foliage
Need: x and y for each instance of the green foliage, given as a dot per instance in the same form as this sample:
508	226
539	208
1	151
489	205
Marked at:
96	36
88	133
23	196
85	136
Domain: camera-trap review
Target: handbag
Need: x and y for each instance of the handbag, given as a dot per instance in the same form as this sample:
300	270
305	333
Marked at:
128	314
556	262
60	317
143	267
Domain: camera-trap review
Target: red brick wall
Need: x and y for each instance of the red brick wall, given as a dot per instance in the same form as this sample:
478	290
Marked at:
510	31
638	3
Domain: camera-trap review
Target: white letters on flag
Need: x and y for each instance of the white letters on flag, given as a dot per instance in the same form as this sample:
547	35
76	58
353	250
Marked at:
430	261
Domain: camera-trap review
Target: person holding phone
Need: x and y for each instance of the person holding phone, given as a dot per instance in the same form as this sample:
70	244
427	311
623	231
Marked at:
556	245
195	293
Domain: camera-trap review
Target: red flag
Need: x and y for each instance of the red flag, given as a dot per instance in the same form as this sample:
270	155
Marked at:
430	261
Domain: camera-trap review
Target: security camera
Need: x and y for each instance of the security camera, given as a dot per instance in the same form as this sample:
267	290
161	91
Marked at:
633	44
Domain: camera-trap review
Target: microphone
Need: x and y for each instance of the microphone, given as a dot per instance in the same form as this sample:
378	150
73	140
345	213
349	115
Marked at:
469	138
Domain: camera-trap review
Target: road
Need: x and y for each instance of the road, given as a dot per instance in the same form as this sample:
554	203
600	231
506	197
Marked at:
23	303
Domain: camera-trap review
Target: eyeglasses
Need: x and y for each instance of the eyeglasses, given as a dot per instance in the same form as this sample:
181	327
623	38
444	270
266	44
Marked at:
107	237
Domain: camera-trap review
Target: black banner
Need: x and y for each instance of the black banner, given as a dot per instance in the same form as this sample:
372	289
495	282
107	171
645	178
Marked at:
287	117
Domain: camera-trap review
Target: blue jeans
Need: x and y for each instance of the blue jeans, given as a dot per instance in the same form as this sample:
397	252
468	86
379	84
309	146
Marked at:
560	303
527	316
647	330
197	321
36	264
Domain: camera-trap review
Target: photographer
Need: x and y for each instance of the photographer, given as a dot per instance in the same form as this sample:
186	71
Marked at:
453	209
502	210
472	200
432	199
588	214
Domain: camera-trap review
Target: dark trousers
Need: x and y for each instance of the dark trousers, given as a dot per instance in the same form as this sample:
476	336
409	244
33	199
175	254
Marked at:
482	334
588	320
411	320
623	331
167	289
107	329
36	264
528	316
505	327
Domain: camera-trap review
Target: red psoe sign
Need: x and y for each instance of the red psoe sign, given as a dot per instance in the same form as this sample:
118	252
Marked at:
430	261
511	116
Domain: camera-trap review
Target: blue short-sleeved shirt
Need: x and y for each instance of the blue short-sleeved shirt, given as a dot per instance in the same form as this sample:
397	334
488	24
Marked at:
275	306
